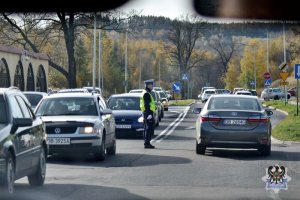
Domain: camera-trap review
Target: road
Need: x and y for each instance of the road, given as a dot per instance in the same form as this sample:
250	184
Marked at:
171	171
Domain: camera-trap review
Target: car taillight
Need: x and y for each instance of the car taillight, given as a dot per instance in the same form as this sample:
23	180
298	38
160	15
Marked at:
258	119
210	118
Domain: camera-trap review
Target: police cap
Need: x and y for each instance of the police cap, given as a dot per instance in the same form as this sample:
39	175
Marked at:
149	82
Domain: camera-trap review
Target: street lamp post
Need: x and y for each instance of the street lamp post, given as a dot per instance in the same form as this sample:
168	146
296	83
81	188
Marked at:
125	83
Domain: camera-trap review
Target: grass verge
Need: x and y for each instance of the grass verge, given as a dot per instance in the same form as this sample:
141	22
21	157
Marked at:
181	102
289	128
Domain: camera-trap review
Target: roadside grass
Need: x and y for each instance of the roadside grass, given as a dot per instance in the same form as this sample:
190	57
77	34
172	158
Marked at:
181	102
289	128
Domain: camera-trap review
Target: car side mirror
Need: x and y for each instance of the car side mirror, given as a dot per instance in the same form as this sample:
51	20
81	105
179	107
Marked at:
20	122
197	110
106	112
269	112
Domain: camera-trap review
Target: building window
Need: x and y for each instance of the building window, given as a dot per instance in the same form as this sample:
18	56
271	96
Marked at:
41	84
30	79
4	74
19	77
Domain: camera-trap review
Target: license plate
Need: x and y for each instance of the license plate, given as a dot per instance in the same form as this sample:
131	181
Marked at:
59	141
239	122
123	126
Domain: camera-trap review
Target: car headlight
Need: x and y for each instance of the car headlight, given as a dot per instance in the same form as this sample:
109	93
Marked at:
89	130
141	119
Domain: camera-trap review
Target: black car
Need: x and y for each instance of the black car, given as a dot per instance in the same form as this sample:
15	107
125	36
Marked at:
23	146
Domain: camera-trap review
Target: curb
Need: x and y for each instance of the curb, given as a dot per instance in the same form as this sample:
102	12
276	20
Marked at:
277	140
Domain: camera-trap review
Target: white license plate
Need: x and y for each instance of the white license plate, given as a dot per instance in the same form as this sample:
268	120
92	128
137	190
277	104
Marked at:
239	122
123	126
59	141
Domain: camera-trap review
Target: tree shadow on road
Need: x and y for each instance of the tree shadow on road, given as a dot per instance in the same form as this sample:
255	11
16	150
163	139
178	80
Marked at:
119	160
241	154
70	192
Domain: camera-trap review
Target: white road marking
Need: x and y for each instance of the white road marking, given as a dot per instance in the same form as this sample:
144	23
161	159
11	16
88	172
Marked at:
182	115
190	128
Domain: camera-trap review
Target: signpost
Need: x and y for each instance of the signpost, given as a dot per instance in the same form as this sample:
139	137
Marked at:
268	82
297	76
283	74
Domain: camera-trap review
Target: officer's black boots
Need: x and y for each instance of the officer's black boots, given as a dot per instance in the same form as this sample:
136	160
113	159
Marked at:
149	146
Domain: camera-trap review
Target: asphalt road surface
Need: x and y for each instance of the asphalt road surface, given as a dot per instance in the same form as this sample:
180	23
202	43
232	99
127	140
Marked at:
171	171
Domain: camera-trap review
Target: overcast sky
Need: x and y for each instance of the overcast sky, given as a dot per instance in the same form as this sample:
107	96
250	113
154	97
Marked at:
166	8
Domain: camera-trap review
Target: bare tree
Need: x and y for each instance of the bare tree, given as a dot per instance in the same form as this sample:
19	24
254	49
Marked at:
183	38
36	30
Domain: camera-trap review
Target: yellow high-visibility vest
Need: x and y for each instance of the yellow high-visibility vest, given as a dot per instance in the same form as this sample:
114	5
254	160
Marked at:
142	102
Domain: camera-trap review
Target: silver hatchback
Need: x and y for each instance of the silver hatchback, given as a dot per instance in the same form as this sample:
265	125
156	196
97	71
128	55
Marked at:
233	121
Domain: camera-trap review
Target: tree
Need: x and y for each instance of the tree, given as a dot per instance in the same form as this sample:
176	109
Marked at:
231	77
182	39
36	30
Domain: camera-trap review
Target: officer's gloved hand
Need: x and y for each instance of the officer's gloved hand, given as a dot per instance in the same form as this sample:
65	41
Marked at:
149	117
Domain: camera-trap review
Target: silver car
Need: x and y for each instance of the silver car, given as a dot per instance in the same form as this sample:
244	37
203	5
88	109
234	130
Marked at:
233	121
78	123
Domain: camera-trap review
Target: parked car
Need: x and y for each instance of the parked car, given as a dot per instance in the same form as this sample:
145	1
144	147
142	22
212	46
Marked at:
223	91
236	89
293	91
128	115
274	93
233	121
34	97
168	94
78	123
23	145
205	88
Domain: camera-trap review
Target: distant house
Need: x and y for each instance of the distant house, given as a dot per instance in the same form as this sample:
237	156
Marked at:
26	70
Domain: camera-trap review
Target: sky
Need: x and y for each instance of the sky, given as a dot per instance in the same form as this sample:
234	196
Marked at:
167	8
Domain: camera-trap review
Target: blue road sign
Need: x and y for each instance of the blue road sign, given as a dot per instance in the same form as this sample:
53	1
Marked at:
184	77
297	71
252	83
268	82
176	87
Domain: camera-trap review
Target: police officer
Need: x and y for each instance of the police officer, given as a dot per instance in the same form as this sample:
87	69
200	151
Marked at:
147	105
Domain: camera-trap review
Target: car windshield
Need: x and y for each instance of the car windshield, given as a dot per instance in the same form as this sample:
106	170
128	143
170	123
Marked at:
124	103
233	103
67	106
34	99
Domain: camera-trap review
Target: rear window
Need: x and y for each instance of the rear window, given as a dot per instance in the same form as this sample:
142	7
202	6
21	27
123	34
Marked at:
210	92
230	103
34	99
3	116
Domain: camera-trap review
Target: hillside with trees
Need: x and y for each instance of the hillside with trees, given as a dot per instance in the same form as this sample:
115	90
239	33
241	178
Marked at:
220	55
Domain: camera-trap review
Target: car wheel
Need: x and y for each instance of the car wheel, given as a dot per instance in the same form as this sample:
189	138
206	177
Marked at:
112	150
38	178
162	114
200	149
159	118
276	97
265	150
157	124
101	155
8	179
166	109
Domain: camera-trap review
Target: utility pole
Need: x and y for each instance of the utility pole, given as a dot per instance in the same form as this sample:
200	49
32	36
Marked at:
268	69
254	68
94	53
159	71
284	55
125	83
100	60
140	76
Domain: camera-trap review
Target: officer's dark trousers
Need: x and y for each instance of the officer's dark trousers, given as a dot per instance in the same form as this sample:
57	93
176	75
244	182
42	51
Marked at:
148	129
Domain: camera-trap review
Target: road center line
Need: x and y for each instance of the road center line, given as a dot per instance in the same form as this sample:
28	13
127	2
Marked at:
177	124
166	129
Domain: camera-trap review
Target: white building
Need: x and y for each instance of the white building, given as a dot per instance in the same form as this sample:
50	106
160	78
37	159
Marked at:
26	70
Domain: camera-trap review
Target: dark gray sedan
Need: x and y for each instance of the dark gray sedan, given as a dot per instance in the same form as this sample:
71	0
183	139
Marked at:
232	121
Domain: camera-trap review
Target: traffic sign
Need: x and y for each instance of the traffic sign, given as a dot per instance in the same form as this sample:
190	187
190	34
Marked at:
252	83
283	67
284	75
268	82
185	77
267	75
284	83
297	71
176	87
